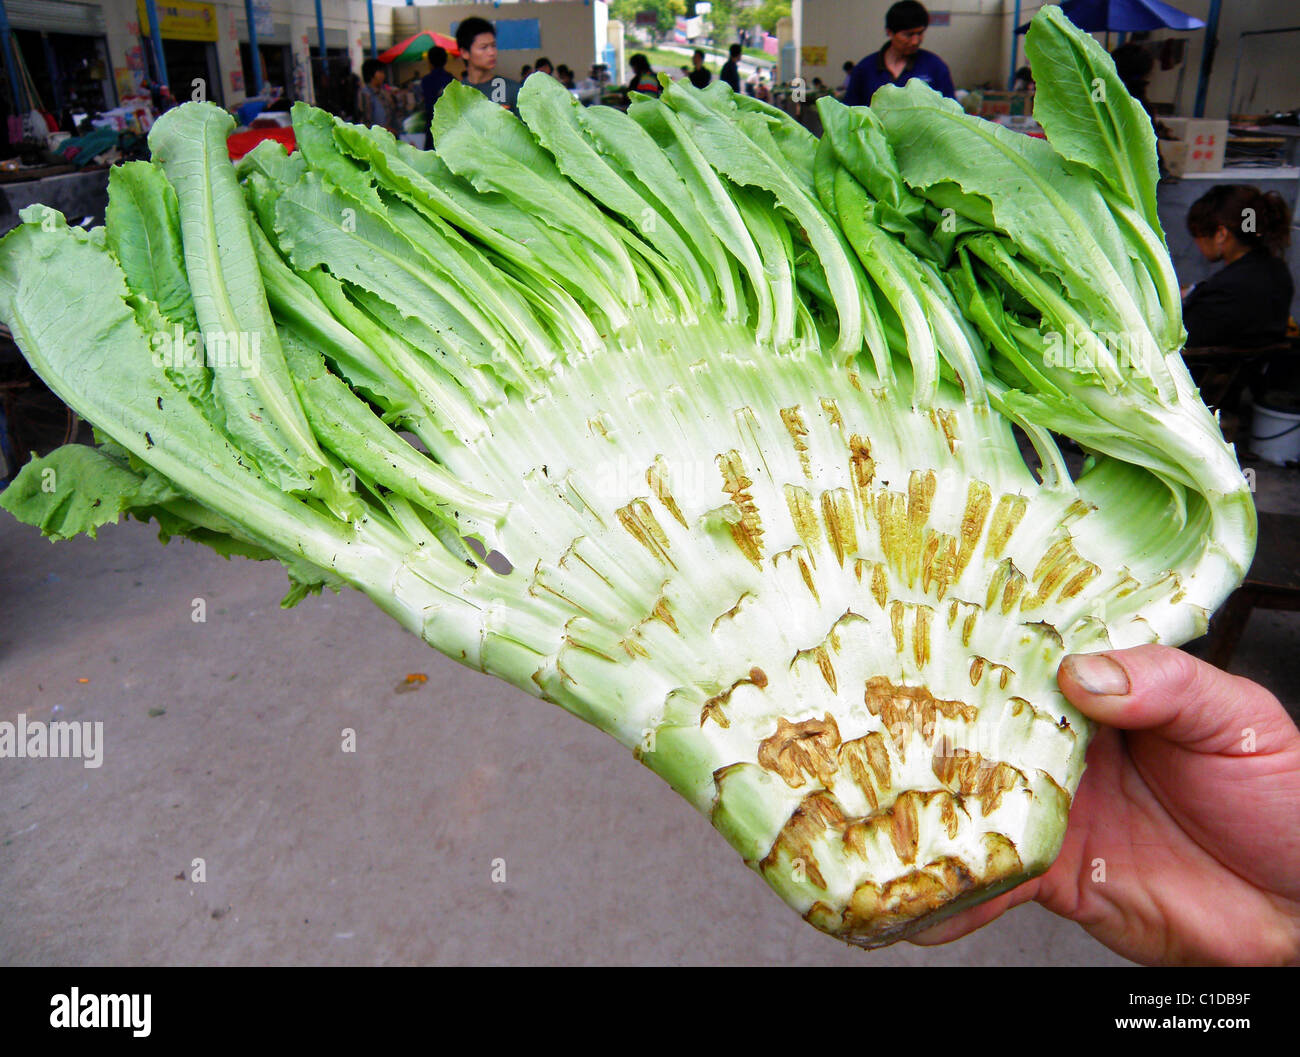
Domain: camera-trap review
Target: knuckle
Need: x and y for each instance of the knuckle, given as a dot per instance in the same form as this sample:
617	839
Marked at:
1166	672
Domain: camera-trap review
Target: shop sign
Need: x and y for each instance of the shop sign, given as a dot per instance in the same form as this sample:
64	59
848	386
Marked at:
180	20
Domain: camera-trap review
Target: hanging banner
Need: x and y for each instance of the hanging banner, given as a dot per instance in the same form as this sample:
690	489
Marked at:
262	18
180	20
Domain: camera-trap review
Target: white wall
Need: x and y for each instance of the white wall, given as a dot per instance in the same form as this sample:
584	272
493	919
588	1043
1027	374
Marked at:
1270	74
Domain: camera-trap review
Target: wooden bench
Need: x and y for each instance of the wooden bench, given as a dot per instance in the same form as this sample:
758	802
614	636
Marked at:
1272	583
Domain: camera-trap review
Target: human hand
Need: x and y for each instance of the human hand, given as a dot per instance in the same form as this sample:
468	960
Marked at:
1183	844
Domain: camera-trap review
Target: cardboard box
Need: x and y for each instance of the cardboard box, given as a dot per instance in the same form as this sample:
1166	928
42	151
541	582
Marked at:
1018	104
1197	144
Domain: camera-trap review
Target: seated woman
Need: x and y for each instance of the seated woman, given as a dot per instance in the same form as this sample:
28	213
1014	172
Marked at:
1247	303
643	78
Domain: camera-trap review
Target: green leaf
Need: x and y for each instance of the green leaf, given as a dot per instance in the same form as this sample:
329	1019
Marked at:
76	489
143	232
858	141
716	207
492	149
1058	221
556	119
542	257
251	384
731	153
1088	114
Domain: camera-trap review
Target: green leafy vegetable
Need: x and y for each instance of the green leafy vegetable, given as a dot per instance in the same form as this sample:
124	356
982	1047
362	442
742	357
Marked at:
740	408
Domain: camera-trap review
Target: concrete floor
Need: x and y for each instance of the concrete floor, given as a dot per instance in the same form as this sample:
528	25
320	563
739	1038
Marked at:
223	743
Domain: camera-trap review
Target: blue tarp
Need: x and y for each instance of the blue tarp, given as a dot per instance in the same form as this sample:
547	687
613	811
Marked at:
249	110
1124	16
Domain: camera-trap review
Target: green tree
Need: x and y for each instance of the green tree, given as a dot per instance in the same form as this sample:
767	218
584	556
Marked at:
723	20
770	12
666	12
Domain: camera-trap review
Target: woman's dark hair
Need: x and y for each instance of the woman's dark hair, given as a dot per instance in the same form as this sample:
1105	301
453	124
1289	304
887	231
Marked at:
639	63
469	29
1255	218
905	15
369	68
437	57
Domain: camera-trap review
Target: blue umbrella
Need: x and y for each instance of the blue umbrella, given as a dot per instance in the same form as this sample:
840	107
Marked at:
1124	16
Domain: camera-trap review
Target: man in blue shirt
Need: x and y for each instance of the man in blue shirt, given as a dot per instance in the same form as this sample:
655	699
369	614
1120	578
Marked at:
901	59
431	86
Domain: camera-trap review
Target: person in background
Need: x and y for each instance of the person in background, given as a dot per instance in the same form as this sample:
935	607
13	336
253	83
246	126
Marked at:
374	104
731	68
524	71
848	76
1246	303
160	96
432	85
565	76
477	40
544	66
407	100
901	59
349	97
643	78
700	77
589	89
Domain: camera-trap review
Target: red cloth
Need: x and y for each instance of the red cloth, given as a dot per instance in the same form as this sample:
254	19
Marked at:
240	143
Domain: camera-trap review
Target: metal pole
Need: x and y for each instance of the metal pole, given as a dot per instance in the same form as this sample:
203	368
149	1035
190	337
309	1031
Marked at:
252	46
16	90
370	10
796	9
52	64
155	35
1207	58
320	29
1015	47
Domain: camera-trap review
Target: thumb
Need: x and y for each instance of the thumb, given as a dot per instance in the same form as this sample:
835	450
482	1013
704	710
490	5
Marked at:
1177	697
